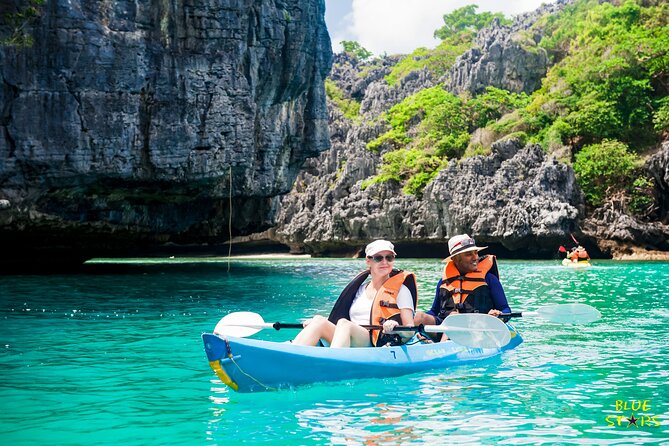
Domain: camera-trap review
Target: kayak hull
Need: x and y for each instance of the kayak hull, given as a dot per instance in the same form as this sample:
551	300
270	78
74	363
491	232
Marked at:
250	365
580	264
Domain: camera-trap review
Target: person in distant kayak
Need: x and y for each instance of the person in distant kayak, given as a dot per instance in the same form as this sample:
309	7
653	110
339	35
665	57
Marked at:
388	299
578	254
469	284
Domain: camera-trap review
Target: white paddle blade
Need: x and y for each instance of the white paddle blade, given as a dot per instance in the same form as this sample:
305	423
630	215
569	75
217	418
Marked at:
240	324
569	313
477	330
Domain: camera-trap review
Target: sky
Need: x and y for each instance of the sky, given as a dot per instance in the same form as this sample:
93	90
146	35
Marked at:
401	26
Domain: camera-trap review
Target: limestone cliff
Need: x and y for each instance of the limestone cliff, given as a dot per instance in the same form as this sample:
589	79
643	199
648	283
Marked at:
519	200
130	124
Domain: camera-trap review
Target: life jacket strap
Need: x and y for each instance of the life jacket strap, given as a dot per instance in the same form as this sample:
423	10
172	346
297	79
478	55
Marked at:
385	303
464	279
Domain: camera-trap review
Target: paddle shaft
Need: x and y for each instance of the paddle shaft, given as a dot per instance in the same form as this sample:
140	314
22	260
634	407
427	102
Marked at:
419	328
429	328
469	330
519	314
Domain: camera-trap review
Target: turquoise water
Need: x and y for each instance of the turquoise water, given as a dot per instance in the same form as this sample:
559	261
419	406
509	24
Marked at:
114	356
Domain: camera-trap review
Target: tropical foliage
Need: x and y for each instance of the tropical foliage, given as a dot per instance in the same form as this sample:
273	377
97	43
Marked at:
457	36
603	169
466	20
17	24
611	73
432	127
349	107
355	50
604	97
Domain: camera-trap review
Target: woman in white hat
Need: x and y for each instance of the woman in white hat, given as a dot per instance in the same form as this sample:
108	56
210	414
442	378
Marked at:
469	284
388	299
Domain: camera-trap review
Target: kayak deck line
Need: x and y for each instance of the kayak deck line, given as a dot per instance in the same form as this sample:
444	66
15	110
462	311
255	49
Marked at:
217	367
251	365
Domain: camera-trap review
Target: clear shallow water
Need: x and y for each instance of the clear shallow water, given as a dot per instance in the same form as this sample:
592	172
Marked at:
114	356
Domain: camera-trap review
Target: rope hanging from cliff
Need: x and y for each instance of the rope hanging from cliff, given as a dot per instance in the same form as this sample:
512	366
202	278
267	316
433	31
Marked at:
230	220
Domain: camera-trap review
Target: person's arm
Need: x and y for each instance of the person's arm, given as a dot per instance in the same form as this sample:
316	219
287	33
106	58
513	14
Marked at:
406	307
497	293
434	310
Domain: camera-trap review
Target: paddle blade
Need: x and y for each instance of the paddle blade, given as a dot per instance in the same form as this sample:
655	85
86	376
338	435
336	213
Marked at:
569	313
240	324
477	330
562	249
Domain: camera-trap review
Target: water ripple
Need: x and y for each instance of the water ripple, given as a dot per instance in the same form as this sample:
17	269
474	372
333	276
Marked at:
115	358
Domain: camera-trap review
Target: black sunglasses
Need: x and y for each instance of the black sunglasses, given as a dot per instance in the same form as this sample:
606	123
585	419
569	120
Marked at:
377	259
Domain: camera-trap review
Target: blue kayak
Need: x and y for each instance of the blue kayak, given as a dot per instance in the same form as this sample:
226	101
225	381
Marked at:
250	365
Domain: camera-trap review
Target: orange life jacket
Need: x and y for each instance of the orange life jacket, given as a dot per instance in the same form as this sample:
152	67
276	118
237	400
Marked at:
385	307
456	289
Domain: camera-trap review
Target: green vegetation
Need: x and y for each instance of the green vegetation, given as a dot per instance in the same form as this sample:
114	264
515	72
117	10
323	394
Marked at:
355	50
431	127
642	199
412	167
611	78
18	21
443	128
608	169
437	61
661	115
604	96
606	91
457	34
603	168
466	20
349	107
493	104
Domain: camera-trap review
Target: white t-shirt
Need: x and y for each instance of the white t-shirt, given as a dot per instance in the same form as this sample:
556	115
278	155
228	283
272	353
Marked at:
361	307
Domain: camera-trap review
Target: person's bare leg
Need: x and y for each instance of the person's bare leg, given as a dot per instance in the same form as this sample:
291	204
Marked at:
319	328
349	334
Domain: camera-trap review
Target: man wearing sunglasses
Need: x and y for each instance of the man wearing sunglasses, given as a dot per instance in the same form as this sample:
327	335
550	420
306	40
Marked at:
469	284
388	299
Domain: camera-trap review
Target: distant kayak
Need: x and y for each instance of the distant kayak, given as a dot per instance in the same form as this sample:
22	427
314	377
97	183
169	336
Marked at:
249	365
579	264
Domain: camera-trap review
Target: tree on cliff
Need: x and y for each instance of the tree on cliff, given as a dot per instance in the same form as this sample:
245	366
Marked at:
466	19
16	21
356	50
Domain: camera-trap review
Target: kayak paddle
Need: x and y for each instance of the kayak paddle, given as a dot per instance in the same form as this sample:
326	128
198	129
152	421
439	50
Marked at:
562	313
246	323
468	329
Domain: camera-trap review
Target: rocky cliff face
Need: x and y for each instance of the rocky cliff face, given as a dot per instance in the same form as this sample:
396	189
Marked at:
130	124
517	199
505	57
328	212
520	201
627	237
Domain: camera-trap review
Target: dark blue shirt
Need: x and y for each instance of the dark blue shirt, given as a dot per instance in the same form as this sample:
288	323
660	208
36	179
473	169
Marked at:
496	292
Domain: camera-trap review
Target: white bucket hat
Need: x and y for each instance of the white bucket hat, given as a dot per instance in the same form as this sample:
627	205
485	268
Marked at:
379	245
462	243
